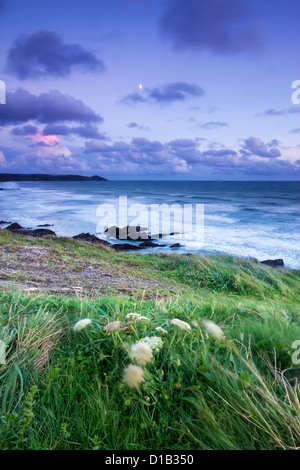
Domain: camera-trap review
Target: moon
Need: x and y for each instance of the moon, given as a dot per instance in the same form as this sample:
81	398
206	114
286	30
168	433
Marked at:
140	86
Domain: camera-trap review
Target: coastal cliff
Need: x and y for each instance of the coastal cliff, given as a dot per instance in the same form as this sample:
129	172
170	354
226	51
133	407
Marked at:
4	177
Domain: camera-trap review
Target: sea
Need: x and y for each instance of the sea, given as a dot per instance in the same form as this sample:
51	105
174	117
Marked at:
247	219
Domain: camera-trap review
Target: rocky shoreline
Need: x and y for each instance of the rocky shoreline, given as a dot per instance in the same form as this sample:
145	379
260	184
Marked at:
130	233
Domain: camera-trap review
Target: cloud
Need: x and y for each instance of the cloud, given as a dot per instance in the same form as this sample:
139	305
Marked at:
280	112
133	98
166	94
44	54
220	153
139	150
187	149
3	161
221	26
213	125
257	147
135	125
50	107
24	130
295	131
46	154
87	131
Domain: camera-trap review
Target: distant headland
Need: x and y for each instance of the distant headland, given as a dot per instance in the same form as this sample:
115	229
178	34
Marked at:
42	177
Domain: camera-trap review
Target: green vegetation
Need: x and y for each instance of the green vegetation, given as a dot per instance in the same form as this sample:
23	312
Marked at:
64	389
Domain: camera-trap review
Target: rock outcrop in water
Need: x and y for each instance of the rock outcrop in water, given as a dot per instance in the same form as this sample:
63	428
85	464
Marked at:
134	232
87	237
276	263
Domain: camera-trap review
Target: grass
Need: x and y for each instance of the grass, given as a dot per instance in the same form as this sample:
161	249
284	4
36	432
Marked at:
62	389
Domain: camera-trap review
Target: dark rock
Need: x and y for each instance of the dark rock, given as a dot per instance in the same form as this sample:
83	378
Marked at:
134	232
125	247
176	245
45	225
4	222
14	226
38	232
128	232
149	243
161	235
273	263
87	237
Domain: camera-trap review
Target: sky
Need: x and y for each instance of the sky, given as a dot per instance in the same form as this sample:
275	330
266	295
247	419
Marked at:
151	89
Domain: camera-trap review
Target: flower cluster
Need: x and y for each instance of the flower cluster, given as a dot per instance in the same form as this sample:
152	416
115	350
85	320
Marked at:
154	342
161	330
141	352
213	330
183	325
81	324
133	376
132	316
112	326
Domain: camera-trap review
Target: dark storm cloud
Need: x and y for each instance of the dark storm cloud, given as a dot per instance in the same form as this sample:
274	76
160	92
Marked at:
45	54
255	146
165	94
51	107
221	26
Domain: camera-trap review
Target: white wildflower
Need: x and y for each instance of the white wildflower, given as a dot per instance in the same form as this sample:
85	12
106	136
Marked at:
213	330
141	352
114	325
155	343
181	324
133	376
141	318
133	316
82	324
161	330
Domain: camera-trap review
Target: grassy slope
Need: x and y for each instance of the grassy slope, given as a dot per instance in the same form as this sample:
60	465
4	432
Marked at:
63	390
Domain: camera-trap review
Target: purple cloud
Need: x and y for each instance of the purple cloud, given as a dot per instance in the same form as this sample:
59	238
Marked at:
221	26
281	112
135	125
25	130
87	131
213	125
255	146
166	94
51	107
44	54
219	153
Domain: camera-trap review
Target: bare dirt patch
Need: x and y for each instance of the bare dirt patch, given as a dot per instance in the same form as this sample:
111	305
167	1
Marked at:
39	269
